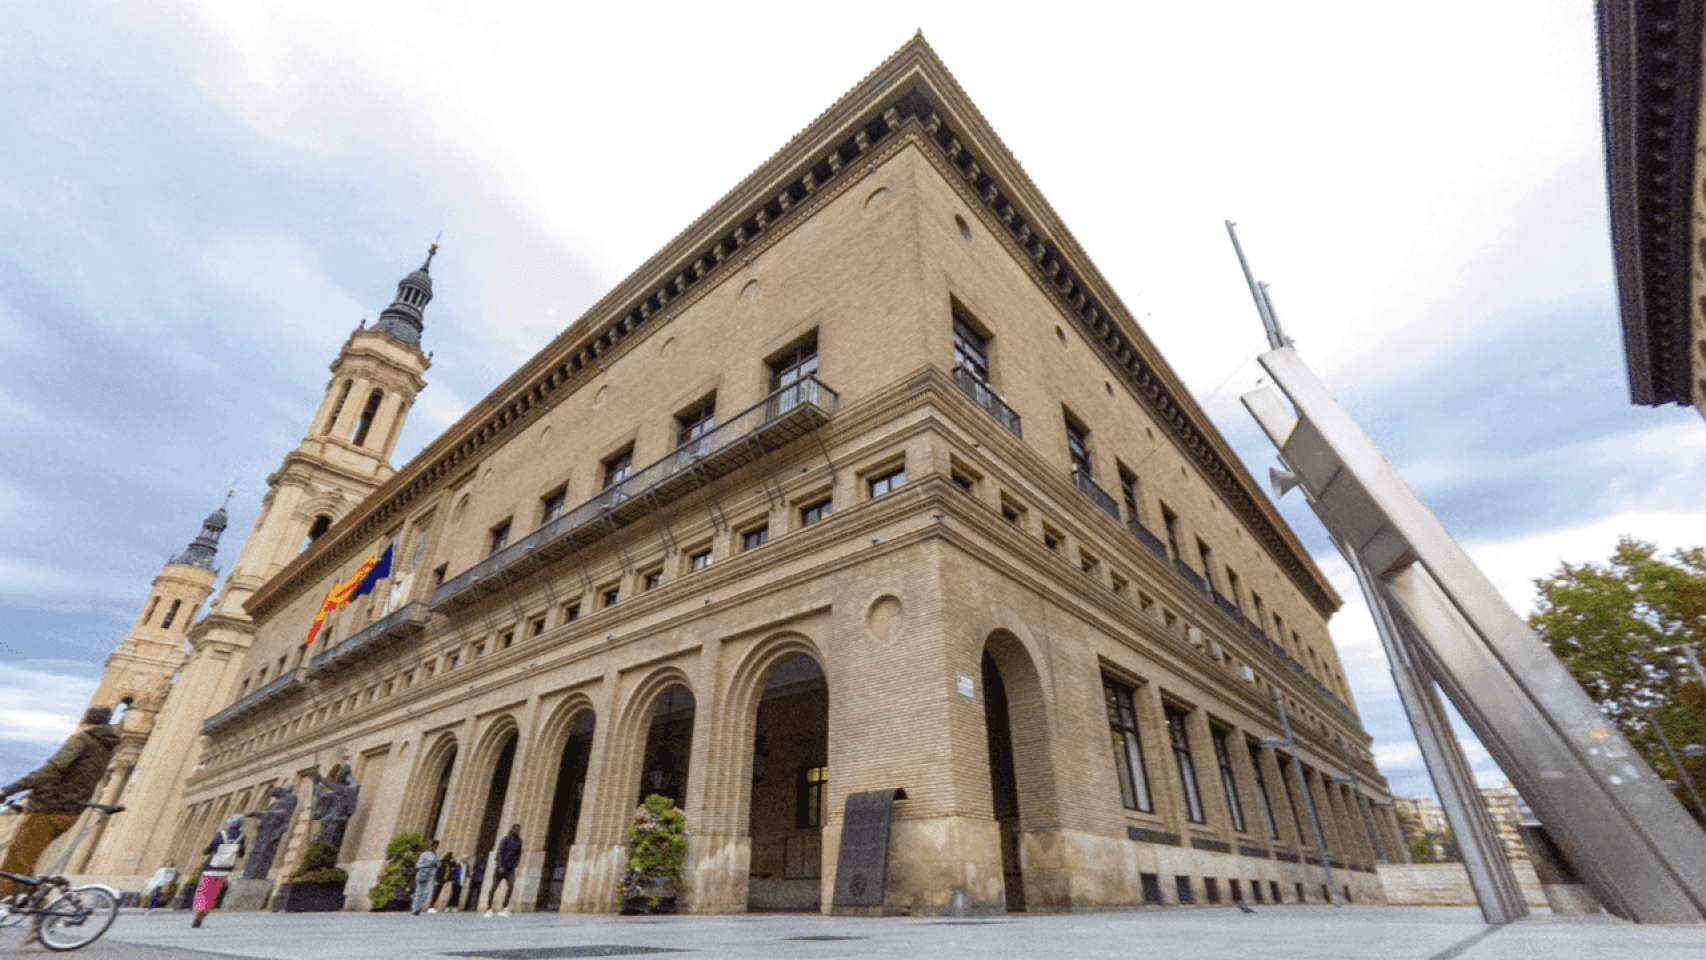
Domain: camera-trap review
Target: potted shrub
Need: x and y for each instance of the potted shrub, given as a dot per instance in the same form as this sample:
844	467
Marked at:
317	885
657	851
397	878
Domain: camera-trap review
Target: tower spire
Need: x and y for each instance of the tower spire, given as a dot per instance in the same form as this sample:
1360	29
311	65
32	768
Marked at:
201	550
403	318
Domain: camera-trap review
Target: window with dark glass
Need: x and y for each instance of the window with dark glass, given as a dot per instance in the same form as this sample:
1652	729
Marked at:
571	612
1262	791
756	537
794	364
1170	521
696	423
699	561
1078	447
1228	782
650	579
1207	555
1128	747
1233	588
1178	733
809	803
888	481
500	538
611	595
551	505
1128	494
619	467
815	512
971	350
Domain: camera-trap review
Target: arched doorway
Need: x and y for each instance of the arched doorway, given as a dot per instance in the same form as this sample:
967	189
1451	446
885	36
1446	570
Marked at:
1021	771
440	789
492	817
669	745
790	784
566	808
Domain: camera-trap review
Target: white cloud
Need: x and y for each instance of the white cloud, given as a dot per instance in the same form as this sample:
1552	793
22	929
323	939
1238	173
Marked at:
40	702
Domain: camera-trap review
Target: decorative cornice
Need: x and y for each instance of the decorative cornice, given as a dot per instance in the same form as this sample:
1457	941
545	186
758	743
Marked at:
910	99
1649	56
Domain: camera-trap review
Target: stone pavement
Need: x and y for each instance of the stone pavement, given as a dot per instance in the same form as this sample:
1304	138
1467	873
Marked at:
1201	933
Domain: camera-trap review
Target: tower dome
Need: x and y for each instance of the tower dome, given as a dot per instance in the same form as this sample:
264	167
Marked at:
402	319
201	550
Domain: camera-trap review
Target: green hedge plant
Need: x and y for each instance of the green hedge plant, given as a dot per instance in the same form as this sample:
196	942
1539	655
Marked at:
657	851
398	874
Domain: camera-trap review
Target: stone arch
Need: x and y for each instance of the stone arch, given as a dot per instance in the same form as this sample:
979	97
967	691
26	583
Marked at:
557	792
618	790
487	777
422	802
1023	797
728	802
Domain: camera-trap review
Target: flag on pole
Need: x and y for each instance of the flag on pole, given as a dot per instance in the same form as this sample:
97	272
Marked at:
366	577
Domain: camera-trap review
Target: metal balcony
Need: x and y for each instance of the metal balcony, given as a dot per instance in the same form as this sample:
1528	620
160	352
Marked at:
988	399
400	624
285	683
1097	495
778	419
1190	576
1227	606
1148	539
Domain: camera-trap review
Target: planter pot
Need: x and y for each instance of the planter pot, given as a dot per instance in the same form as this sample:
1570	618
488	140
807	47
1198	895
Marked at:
310	897
640	907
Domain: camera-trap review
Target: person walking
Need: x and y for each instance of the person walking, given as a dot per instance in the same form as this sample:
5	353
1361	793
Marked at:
58	790
503	869
450	875
223	851
426	879
163	878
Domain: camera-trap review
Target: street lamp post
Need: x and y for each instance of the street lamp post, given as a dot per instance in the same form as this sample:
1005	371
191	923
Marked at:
1308	802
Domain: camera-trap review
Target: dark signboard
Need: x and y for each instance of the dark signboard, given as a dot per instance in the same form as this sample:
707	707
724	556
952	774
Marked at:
863	864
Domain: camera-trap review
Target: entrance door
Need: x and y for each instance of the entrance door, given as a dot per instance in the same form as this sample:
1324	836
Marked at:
1003	783
566	810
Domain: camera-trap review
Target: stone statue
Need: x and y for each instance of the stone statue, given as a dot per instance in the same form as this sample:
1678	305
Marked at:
334	804
269	829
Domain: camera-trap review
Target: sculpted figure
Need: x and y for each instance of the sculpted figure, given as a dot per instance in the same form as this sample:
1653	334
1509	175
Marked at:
271	823
334	804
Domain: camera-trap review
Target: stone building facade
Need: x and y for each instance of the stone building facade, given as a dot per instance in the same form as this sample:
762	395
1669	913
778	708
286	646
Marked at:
866	481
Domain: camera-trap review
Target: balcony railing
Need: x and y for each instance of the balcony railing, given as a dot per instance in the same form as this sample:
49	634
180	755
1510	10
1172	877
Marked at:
403	622
988	399
1097	495
1227	606
778	419
1148	539
1190	576
285	683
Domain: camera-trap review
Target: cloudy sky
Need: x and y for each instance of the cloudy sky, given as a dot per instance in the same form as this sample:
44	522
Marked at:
198	201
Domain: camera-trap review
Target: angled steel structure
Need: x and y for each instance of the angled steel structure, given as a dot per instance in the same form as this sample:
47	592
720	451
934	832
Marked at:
1445	623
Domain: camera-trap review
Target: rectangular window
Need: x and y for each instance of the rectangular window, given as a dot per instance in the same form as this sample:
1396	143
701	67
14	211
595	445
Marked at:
1179	734
756	537
1207	555
1183	886
611	595
479	651
797	362
1078	447
571	612
1233	587
888	481
1228	782
171	613
1129	494
971	350
695	423
815	512
551	505
500	538
1128	747
451	662
506	639
1170	521
650	579
1012	512
619	466
438	575
810	790
700	560
1052	538
536	626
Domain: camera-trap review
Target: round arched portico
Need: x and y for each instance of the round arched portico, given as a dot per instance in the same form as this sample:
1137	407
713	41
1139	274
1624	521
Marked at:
767	782
473	817
1023	797
553	795
429	789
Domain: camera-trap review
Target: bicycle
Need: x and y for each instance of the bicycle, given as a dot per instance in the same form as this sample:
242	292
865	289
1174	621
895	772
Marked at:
65	917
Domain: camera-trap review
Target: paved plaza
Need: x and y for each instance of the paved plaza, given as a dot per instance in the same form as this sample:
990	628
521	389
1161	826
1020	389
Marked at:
1203	933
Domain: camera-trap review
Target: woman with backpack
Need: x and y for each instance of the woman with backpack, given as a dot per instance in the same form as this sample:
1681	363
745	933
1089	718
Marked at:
223	851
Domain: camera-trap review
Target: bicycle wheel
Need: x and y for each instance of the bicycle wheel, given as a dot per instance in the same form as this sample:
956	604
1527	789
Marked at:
9	916
77	917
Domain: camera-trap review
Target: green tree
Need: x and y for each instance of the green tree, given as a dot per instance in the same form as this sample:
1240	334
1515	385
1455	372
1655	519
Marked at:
1620	629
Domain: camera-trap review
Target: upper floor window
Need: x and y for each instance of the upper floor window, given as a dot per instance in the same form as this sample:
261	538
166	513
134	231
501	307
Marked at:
1179	734
794	364
619	467
756	537
815	512
971	350
500	537
171	613
365	423
1128	746
1170	521
551	505
696	422
700	560
317	529
887	481
1207	556
1078	447
1228	783
1129	495
1232	587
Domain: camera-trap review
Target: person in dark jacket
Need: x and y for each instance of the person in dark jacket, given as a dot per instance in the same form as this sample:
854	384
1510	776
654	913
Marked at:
218	866
476	878
58	791
503	869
